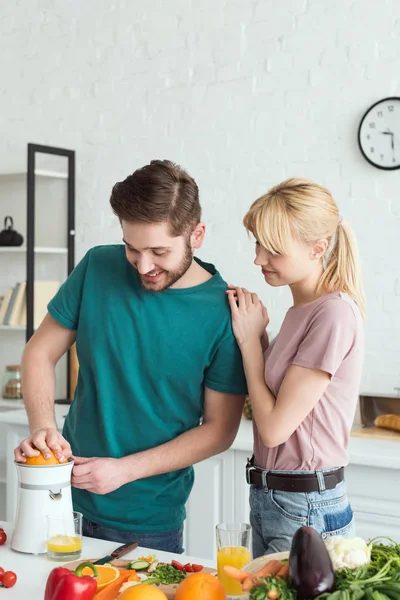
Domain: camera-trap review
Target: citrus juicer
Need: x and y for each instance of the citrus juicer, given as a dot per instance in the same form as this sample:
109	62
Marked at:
43	490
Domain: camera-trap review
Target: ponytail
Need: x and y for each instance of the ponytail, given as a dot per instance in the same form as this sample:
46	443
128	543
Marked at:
343	270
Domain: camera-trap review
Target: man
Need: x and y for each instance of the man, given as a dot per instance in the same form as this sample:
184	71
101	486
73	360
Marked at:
161	384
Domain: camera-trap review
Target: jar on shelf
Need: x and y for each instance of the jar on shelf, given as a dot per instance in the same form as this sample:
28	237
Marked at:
12	385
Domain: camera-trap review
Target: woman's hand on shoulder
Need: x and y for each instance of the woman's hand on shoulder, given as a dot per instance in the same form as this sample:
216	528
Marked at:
249	315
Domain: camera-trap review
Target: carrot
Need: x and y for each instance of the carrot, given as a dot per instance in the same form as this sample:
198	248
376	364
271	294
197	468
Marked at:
250	582
236	573
110	592
271	568
284	572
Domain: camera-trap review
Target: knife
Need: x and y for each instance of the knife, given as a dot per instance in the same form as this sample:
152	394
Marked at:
118	552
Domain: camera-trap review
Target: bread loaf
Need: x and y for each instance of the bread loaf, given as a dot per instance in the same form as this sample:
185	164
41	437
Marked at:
388	422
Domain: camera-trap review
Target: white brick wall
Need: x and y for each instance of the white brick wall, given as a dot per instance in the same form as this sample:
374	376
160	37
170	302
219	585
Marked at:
241	93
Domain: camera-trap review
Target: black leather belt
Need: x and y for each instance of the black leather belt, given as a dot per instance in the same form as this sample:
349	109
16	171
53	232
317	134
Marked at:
303	482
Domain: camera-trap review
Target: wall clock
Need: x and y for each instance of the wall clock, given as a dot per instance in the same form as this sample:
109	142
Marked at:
379	134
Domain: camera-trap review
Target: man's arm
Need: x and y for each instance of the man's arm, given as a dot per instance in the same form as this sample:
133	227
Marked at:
222	414
43	351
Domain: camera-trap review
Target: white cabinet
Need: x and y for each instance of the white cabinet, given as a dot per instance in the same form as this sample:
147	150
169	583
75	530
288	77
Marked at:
374	495
210	503
221	494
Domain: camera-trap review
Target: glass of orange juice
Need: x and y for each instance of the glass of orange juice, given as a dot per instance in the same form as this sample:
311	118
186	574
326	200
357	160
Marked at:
233	549
64	536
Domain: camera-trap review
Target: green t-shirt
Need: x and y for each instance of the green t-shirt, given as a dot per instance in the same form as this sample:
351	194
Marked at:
144	360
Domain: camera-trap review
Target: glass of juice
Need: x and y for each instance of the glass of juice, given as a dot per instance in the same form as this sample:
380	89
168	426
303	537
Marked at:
233	549
64	536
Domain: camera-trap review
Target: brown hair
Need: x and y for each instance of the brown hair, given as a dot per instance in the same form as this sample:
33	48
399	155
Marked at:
159	192
305	210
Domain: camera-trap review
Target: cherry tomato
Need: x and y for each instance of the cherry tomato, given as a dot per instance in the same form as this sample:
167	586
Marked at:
9	579
188	568
197	568
178	566
3	537
1	574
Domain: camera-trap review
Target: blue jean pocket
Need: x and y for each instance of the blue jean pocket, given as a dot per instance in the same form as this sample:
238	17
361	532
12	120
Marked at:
332	514
291	505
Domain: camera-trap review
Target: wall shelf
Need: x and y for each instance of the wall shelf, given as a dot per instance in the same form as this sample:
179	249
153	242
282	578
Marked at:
38	250
38	173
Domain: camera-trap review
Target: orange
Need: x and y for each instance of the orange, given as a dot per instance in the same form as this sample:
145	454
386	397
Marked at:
106	574
142	591
200	586
40	461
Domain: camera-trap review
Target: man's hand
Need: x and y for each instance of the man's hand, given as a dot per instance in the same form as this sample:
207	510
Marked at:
98	475
42	441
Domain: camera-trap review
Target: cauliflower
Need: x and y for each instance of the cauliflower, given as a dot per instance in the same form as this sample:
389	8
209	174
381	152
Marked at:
347	552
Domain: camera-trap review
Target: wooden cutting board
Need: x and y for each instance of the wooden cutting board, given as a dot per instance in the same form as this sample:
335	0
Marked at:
169	590
376	433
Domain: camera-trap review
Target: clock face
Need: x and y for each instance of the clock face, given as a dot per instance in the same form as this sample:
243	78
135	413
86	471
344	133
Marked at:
379	134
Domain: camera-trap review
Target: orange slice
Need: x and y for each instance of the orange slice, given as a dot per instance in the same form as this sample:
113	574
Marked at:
106	574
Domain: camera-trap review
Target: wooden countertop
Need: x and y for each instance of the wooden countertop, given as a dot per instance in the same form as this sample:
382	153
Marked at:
375	433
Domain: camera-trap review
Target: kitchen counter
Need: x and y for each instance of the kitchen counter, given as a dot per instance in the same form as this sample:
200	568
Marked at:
32	571
220	492
363	449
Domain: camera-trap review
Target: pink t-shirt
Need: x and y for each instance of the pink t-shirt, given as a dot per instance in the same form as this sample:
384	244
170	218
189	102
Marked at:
326	335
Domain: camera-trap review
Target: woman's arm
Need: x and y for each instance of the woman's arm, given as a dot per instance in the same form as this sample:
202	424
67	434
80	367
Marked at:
329	339
300	391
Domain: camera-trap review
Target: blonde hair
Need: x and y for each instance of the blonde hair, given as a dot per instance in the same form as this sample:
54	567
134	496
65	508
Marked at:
304	210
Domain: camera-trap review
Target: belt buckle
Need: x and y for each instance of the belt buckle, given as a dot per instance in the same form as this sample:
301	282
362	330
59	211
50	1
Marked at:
248	469
264	479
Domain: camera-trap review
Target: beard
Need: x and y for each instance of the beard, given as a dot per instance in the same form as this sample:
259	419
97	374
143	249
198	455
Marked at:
170	277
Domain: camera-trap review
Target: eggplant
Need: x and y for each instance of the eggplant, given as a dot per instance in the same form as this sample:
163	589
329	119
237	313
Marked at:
310	566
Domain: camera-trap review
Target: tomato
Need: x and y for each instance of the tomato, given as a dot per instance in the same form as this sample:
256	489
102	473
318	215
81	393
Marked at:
197	568
177	565
1	574
9	579
3	537
188	568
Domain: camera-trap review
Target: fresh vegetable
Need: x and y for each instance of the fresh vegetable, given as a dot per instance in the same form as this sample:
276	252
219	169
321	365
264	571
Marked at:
197	568
177	565
235	573
310	566
148	559
188	567
63	584
167	574
139	565
8	579
384	568
3	537
347	552
273	588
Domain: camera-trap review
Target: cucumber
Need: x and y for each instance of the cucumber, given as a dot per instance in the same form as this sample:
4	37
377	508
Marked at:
152	581
139	565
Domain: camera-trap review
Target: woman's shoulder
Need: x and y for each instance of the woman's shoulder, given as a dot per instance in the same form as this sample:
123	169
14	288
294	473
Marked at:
337	304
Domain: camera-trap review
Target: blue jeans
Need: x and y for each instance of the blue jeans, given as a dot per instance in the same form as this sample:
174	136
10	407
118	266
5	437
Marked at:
171	541
275	516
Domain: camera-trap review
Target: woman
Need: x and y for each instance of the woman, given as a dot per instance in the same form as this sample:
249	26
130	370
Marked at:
304	386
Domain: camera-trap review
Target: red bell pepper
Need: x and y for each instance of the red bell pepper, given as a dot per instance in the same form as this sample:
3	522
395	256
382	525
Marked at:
63	584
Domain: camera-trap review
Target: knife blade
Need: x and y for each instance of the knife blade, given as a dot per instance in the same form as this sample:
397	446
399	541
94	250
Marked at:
117	553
